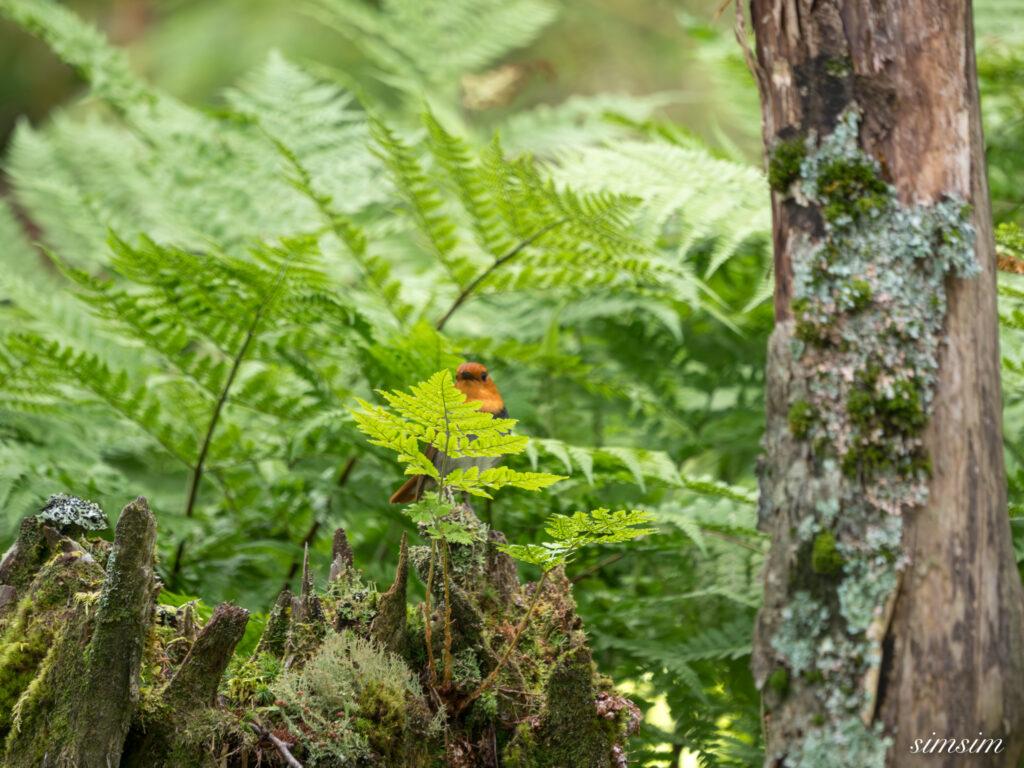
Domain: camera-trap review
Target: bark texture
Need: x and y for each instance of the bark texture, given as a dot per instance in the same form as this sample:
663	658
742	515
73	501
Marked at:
118	638
950	636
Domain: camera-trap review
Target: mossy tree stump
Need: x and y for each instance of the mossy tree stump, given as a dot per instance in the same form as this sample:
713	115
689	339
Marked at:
95	673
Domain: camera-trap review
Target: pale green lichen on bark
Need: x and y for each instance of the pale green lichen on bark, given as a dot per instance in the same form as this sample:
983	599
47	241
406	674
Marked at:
869	305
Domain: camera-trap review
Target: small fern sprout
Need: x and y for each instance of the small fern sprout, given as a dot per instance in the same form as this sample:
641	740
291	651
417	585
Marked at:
437	414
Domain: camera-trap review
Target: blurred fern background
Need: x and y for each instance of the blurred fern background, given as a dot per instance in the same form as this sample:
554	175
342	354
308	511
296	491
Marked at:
223	221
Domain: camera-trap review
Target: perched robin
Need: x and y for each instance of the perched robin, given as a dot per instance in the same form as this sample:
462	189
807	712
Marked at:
475	383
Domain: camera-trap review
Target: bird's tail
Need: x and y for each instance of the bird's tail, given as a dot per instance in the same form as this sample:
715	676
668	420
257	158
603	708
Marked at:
410	491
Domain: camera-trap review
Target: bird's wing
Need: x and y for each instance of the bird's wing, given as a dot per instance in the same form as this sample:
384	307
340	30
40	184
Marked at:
413	488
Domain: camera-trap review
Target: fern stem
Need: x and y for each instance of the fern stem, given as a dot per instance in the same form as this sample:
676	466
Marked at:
431	665
197	471
511	646
468	290
449	661
598	566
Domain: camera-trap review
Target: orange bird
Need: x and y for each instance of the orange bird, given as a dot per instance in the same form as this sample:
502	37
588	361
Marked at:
472	380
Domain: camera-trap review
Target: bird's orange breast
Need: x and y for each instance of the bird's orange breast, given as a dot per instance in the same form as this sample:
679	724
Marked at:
485	392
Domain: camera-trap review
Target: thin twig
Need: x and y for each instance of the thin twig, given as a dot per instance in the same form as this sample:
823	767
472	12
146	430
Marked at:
449	661
497	263
733	540
431	665
265	735
511	646
598	566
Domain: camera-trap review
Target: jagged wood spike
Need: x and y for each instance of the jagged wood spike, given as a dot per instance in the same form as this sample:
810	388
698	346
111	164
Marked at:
388	626
118	639
195	682
307	579
312	607
275	633
341	555
188	623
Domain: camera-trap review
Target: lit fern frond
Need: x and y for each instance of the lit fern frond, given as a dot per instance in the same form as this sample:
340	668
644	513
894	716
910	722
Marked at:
474	481
437	414
600	526
570	533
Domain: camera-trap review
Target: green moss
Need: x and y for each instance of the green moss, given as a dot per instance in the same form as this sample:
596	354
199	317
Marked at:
779	681
903	412
801	419
784	166
921	464
520	750
857	294
571	733
866	460
850	189
880	418
838	66
825	558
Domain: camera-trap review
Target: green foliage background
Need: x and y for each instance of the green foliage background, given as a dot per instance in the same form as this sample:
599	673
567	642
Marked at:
199	278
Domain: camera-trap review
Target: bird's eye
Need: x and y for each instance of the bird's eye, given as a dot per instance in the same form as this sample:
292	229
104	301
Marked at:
483	376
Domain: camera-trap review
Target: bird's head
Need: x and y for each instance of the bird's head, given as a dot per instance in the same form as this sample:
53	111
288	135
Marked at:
475	383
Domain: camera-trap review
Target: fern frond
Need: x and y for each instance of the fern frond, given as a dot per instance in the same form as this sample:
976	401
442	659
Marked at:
422	198
84	49
429	44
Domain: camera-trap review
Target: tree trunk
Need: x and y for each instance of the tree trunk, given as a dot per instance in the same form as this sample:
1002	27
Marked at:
892	620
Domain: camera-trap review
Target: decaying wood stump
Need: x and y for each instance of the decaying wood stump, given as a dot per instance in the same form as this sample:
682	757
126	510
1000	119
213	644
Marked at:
95	673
